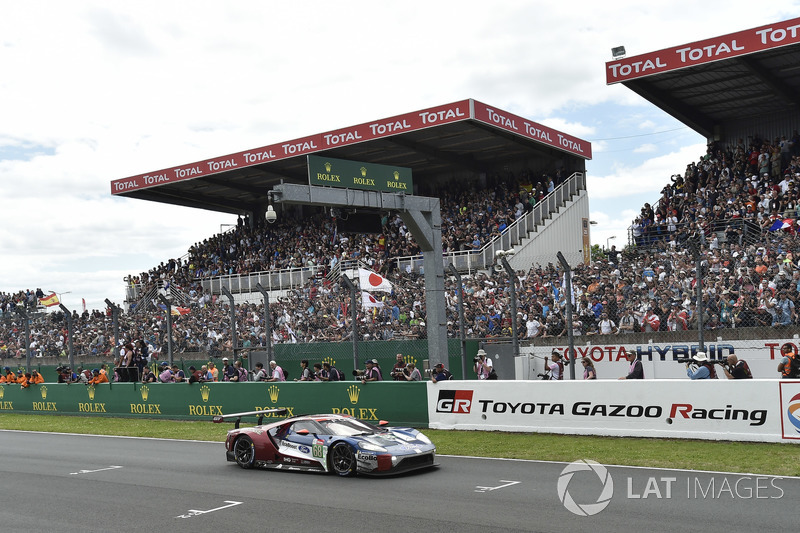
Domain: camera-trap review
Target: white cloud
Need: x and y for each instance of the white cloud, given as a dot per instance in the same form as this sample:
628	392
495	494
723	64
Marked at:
647	148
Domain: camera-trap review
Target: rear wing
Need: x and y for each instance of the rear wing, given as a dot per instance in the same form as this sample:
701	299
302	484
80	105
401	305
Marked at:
237	417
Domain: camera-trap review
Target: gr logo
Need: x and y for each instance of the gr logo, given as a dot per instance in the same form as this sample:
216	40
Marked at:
454	401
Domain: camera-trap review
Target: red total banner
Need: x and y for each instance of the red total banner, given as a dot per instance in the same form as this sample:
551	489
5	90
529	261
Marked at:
700	52
532	130
413	121
416	120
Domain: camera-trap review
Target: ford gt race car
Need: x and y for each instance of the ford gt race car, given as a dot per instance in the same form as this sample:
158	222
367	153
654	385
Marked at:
329	443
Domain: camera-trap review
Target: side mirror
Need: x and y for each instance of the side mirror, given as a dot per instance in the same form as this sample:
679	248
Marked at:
302	432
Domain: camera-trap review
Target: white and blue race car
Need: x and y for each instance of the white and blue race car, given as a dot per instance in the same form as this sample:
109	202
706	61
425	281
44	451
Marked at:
329	443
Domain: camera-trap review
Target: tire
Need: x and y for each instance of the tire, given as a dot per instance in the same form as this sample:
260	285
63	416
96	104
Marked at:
342	460
244	451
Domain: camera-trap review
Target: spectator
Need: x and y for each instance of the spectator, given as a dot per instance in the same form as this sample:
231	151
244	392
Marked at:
97	377
398	368
555	368
635	371
589	371
412	373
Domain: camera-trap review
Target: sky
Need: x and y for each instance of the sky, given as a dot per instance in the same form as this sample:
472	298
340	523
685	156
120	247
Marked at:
91	92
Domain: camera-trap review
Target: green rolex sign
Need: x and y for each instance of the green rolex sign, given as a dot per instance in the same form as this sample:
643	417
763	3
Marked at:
356	175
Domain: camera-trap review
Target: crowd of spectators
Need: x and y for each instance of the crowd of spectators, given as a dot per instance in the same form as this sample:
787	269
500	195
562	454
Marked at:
727	203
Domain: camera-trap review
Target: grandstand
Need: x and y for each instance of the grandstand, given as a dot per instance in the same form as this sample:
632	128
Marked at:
504	182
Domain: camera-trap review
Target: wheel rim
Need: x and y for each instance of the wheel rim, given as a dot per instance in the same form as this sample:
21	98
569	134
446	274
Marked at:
342	459
244	451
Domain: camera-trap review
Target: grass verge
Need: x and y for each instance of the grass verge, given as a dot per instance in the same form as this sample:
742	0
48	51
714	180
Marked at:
756	458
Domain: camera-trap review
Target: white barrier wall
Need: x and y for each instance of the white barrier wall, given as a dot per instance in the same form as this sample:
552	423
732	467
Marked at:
742	410
658	360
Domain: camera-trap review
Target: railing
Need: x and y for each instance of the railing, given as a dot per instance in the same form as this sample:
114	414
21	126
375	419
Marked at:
749	232
516	232
272	280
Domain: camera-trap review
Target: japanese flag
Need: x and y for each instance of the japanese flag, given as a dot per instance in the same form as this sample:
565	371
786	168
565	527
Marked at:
370	281
369	300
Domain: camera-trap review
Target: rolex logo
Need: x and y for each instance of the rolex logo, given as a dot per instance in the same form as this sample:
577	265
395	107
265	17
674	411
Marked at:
205	392
327	166
273	393
353	392
145	391
409	359
330	361
2	392
363	172
396	175
43	390
90	389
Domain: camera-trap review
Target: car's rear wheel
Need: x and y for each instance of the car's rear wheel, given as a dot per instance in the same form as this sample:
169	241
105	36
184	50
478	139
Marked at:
343	461
244	451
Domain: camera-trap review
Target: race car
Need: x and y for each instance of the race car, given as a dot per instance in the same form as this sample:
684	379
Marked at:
329	443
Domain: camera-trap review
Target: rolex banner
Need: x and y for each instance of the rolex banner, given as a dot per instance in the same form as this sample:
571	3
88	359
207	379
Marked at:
331	172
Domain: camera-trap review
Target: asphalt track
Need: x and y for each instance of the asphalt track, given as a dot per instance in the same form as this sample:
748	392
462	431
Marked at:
56	482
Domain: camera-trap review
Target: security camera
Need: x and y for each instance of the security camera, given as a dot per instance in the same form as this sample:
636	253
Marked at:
271	215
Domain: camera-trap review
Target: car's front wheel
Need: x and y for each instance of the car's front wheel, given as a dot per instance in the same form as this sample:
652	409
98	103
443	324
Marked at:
244	451
343	461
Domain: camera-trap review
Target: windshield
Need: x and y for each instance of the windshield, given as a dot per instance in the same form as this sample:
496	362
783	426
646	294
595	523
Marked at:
347	427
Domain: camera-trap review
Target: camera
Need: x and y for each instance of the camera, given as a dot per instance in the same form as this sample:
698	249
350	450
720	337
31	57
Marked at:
358	372
476	359
686	360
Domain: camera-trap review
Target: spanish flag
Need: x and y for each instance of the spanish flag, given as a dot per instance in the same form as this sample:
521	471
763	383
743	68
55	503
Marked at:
49	300
180	311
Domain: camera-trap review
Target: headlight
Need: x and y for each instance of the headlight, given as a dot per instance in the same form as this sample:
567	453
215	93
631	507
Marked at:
371	447
423	438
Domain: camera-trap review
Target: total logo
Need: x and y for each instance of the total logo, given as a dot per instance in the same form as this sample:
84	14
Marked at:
454	401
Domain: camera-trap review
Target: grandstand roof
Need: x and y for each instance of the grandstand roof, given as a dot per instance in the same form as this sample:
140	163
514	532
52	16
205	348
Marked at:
439	142
738	77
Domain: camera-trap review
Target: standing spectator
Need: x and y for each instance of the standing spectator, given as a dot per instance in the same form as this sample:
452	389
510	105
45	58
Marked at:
588	368
635	371
789	367
241	372
229	373
212	368
147	375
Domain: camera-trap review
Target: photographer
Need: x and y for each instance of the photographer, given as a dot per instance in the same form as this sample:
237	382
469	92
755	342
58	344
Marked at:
372	373
556	368
700	367
398	368
483	365
736	369
411	373
440	373
789	367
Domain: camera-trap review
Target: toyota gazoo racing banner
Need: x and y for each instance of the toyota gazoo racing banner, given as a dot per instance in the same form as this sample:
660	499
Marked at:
743	410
